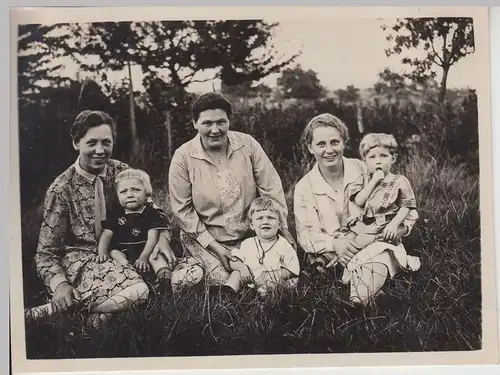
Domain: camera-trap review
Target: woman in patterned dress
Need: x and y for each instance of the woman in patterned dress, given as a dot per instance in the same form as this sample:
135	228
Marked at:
75	205
213	179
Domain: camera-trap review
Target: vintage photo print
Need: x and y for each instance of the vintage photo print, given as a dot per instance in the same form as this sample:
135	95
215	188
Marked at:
251	187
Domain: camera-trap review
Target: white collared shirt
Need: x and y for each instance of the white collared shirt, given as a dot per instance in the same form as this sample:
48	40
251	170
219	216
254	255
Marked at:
320	211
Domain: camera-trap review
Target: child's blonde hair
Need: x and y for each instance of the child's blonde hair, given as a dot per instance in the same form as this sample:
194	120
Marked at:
264	204
373	140
138	174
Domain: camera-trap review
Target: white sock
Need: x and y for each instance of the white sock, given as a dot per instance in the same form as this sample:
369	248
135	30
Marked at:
38	312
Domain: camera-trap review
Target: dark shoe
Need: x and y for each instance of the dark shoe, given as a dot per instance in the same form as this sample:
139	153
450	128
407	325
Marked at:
227	291
165	287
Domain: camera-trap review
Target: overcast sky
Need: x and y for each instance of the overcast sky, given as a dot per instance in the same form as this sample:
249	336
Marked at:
342	52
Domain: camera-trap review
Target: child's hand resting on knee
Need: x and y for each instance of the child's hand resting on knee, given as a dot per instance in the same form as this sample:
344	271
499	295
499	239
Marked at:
101	258
142	264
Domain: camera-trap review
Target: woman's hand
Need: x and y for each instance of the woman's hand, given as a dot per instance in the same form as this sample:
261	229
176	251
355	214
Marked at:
162	246
222	253
345	250
390	232
395	235
288	236
65	296
142	264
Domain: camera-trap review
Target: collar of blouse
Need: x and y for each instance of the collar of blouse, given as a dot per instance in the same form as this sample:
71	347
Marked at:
88	176
197	150
352	173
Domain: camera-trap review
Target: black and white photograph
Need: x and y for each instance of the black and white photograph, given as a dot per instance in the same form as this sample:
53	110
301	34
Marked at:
277	182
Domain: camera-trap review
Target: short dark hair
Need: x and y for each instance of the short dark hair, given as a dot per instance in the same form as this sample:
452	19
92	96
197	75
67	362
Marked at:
89	119
210	100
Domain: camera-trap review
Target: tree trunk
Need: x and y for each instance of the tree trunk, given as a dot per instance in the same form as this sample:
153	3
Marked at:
359	114
442	89
133	127
168	126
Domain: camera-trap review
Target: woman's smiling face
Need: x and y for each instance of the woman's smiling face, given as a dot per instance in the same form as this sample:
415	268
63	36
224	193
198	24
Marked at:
95	148
213	125
327	146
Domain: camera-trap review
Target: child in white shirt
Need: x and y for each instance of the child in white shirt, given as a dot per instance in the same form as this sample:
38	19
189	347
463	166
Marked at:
266	260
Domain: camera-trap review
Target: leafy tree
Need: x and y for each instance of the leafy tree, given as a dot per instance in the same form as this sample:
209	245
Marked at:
237	51
350	94
246	90
38	48
300	84
444	41
391	85
177	51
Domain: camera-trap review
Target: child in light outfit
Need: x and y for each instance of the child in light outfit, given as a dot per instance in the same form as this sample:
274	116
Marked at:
266	260
133	230
388	205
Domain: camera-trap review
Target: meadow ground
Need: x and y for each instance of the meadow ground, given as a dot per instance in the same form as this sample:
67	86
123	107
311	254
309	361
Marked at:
436	308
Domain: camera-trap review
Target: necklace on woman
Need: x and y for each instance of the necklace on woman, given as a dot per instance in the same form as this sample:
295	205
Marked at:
260	248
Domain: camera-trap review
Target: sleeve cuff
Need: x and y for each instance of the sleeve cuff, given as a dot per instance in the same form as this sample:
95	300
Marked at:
56	281
205	239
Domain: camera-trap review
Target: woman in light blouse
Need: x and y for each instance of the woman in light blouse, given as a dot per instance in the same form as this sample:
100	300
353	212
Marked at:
213	179
323	205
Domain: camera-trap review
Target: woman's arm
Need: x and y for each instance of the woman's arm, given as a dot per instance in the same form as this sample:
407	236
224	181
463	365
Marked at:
268	181
51	242
181	201
309	234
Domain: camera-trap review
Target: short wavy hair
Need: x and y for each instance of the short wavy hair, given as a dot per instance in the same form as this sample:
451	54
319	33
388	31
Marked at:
264	204
138	174
90	119
324	120
373	140
210	100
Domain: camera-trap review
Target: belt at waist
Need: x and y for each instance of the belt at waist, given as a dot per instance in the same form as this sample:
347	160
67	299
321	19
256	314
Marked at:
372	220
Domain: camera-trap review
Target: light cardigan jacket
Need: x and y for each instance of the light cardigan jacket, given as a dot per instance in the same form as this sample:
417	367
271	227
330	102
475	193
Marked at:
320	213
193	191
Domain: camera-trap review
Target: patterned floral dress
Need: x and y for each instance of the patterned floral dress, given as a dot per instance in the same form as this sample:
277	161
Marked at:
67	243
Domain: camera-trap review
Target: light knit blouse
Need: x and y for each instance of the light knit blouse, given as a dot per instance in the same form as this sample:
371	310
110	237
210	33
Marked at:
211	204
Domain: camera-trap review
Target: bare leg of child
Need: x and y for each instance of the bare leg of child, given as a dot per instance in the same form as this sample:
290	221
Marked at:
234	281
118	256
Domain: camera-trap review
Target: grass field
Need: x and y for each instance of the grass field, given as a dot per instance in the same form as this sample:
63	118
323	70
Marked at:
436	308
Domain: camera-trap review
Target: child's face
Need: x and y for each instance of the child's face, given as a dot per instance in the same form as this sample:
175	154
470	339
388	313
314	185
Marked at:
265	223
131	194
379	158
